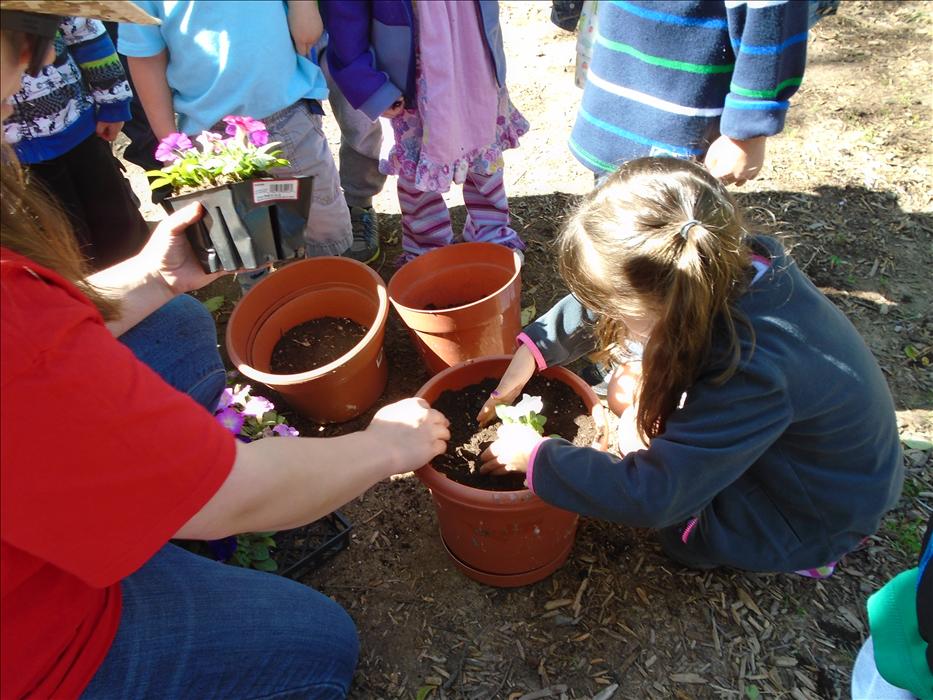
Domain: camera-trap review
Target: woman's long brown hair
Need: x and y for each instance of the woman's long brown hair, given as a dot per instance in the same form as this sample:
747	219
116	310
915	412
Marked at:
32	225
627	251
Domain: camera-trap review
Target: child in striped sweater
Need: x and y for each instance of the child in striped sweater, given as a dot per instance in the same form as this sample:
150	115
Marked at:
64	117
437	70
708	80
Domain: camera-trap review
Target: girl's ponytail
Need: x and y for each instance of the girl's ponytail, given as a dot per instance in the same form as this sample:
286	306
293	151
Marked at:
662	238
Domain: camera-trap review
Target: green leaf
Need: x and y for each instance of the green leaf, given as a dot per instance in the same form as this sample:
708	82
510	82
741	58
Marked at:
752	692
918	444
424	691
528	314
214	303
258	551
161	182
266	565
155	173
911	352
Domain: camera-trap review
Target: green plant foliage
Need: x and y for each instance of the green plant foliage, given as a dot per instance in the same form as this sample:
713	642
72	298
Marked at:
525	412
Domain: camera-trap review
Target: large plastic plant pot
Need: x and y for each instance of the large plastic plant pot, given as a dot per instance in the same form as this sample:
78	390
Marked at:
460	302
300	292
501	538
248	224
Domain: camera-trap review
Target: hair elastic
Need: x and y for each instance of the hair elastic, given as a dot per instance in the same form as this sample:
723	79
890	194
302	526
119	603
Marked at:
685	229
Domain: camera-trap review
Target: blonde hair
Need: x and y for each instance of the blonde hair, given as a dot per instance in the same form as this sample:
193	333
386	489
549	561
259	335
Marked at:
33	226
661	237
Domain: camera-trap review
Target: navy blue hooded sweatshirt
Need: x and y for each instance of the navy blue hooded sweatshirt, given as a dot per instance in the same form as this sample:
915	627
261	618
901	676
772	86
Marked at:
787	465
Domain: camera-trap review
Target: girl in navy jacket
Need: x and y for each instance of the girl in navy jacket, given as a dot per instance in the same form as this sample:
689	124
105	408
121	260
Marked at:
760	433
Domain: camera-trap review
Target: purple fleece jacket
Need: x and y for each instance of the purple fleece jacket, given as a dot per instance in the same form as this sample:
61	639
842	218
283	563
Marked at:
371	49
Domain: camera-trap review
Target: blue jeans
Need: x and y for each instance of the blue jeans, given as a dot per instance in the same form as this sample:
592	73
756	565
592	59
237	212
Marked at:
179	342
194	628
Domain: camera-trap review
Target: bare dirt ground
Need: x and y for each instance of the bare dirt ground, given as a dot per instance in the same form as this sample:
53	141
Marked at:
849	184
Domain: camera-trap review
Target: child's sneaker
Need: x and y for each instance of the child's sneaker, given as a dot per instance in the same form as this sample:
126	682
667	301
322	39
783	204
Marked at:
365	246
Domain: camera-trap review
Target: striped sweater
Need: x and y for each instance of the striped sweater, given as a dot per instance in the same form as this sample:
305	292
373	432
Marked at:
668	77
60	108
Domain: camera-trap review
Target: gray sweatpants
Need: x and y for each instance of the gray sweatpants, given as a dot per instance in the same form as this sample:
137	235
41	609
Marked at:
360	142
303	143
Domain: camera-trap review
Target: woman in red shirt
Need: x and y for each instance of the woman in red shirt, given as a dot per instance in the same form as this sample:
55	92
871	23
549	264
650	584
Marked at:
103	462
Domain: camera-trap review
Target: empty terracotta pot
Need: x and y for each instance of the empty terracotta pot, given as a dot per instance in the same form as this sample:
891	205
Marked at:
501	538
459	302
300	292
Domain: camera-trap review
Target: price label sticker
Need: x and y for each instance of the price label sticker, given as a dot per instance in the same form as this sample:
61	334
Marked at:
274	191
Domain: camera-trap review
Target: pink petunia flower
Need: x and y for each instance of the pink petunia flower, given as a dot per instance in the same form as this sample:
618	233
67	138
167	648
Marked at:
210	142
168	148
247	124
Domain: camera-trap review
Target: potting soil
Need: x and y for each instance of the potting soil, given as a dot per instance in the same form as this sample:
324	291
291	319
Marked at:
315	343
567	417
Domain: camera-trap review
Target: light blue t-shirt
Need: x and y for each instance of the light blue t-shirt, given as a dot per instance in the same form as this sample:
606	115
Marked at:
224	58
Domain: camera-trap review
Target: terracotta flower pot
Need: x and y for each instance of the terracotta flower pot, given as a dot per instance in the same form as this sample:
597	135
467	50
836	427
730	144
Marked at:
474	294
501	538
248	224
300	292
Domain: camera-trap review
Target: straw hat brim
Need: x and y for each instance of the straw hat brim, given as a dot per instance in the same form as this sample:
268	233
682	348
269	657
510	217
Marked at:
91	9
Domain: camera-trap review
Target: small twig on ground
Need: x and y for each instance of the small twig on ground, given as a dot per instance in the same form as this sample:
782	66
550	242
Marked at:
456	674
374	515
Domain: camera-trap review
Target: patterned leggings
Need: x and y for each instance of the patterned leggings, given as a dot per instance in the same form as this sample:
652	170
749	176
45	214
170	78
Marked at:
426	221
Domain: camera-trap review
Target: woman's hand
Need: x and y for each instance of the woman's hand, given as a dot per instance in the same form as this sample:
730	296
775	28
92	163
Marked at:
734	162
168	253
516	376
511	450
410	432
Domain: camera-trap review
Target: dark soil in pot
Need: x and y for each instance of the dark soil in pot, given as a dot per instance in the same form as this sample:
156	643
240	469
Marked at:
567	416
315	343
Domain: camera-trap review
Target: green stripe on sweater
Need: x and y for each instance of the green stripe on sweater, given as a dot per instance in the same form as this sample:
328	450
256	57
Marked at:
100	62
663	62
745	92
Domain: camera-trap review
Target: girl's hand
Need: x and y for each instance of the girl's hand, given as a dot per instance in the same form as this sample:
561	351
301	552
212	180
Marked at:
395	109
411	432
627	433
622	386
734	162
520	370
511	450
168	253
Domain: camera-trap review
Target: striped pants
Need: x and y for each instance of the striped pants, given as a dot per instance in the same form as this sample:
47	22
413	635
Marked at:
426	221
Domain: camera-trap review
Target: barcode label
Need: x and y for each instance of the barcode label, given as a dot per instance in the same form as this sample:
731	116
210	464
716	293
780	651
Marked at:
274	190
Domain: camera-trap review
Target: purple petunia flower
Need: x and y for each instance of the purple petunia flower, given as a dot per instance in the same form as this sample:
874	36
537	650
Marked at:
166	151
256	406
284	430
259	137
223	548
231	419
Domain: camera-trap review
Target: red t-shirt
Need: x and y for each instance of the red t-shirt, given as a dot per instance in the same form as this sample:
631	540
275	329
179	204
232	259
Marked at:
102	462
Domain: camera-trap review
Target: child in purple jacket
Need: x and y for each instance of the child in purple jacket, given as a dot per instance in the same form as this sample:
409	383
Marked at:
437	70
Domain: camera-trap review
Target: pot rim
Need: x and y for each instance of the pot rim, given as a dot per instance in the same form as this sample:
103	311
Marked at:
377	328
516	260
454	490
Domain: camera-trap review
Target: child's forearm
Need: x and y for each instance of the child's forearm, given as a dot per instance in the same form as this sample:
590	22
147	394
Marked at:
151	85
305	24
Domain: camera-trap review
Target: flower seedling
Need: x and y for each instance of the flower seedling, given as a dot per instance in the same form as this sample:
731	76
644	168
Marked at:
525	412
245	154
249	418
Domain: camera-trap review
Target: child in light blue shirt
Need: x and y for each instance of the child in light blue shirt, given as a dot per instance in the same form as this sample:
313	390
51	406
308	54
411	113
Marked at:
208	60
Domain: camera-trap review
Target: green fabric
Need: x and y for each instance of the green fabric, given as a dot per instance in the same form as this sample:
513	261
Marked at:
900	651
